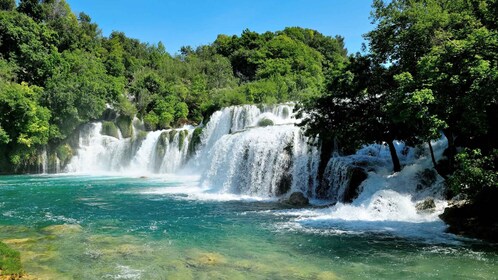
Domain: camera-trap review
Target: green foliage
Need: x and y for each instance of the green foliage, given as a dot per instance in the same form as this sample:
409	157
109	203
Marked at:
10	261
432	66
7	5
109	129
475	172
24	123
151	120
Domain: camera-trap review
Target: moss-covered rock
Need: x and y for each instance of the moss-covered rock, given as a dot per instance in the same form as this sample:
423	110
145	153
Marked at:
109	129
194	141
172	134
124	123
62	229
161	147
10	263
181	140
265	122
136	141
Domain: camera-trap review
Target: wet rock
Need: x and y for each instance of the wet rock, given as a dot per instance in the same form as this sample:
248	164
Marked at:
297	199
427	205
427	178
341	180
474	218
357	176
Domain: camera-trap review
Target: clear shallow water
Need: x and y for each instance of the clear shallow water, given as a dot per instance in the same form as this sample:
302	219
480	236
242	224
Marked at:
83	227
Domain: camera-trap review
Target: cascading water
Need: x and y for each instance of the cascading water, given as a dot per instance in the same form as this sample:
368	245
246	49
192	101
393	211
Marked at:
136	155
256	151
264	161
243	150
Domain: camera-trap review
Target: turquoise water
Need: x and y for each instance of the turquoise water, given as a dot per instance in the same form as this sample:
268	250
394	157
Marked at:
88	227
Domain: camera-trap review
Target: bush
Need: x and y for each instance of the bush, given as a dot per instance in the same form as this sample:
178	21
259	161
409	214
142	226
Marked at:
475	172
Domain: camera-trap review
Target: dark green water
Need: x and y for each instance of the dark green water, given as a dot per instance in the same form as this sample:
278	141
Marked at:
82	227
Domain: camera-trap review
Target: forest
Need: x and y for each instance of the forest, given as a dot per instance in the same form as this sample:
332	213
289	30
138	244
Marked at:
430	67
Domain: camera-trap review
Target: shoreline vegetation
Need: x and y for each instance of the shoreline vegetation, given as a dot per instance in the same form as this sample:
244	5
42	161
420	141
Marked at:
430	67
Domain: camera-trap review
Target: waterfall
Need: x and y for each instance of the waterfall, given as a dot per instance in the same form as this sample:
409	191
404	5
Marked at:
247	150
263	161
138	155
256	151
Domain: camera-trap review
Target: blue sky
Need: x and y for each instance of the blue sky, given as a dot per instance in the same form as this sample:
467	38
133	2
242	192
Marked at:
195	22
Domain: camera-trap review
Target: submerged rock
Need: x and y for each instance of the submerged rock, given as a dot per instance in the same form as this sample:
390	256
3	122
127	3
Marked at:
63	229
297	199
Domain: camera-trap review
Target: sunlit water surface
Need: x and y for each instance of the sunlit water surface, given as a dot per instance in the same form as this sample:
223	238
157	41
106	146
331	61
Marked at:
88	227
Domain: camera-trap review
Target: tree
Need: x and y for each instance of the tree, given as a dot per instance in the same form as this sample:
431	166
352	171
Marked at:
31	8
7	5
79	91
450	49
24	125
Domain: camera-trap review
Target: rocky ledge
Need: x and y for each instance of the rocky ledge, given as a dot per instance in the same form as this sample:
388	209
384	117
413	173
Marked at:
475	218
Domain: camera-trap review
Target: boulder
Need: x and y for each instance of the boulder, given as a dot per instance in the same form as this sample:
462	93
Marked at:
298	199
474	218
427	205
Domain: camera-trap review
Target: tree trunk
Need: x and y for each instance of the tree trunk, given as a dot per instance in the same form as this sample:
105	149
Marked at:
394	157
432	154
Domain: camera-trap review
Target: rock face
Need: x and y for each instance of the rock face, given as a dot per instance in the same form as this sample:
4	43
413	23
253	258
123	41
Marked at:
476	218
297	199
358	175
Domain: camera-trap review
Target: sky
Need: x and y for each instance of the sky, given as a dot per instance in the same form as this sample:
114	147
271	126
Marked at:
196	22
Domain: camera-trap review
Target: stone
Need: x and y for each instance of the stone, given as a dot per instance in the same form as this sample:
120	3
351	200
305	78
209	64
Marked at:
474	218
426	178
427	205
358	175
298	199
